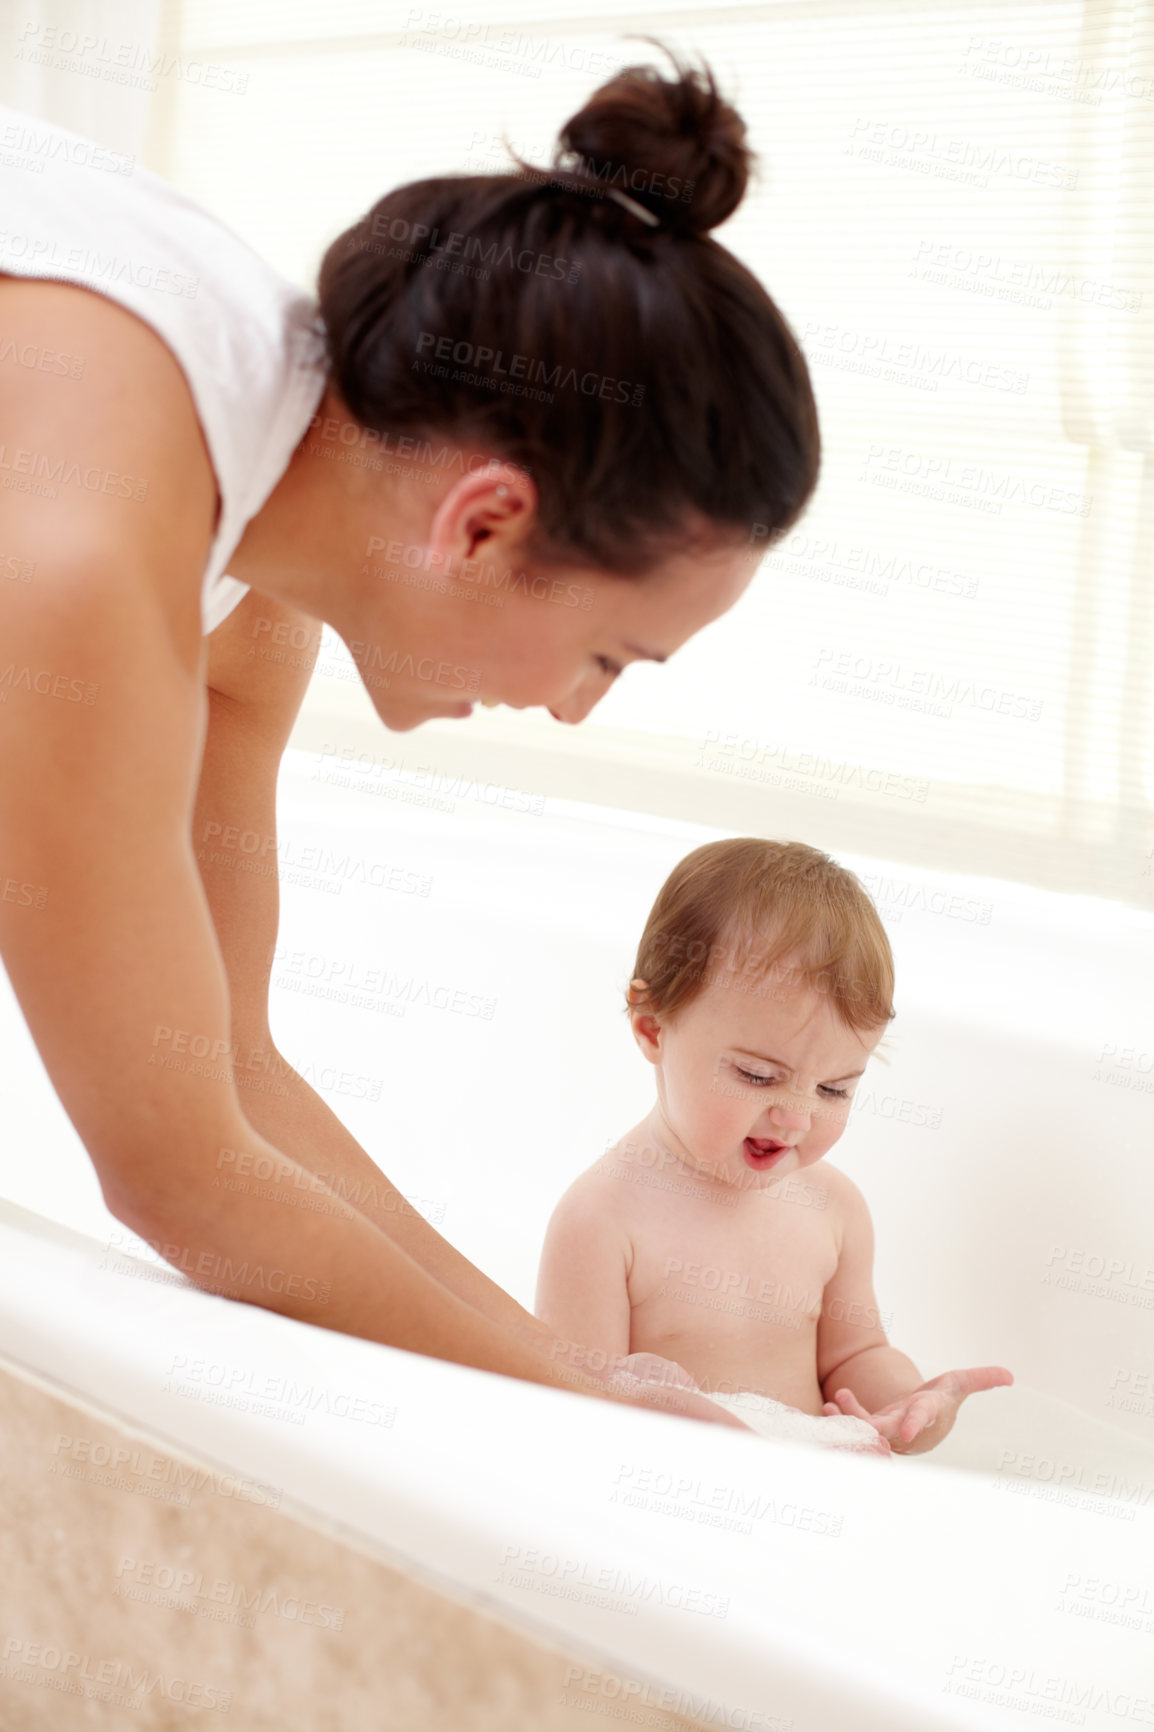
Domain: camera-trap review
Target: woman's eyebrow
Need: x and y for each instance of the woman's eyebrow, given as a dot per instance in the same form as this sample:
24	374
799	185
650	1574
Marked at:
646	655
849	1076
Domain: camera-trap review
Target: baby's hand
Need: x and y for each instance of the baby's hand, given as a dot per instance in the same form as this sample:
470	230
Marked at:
933	1407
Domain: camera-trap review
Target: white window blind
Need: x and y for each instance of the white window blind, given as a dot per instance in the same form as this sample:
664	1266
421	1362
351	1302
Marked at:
950	660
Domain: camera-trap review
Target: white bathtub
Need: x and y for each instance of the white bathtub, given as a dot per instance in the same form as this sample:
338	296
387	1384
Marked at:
1006	1152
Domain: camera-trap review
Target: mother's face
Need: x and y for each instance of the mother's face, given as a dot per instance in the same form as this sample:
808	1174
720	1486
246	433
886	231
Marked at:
568	633
501	628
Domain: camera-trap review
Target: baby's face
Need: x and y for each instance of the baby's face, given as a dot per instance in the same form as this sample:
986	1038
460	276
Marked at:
750	1087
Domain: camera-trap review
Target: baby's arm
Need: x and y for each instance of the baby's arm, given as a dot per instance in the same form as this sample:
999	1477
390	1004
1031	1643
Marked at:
852	1350
582	1281
859	1372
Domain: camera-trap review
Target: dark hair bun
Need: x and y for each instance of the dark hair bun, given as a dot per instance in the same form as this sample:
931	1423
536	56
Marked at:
673	145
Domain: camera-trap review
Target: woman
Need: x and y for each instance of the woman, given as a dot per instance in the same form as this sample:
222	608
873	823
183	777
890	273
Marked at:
552	383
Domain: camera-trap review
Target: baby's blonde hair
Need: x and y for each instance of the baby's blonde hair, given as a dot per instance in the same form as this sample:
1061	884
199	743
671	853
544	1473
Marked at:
749	908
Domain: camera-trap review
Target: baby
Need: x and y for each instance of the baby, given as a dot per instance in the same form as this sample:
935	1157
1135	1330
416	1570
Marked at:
715	1233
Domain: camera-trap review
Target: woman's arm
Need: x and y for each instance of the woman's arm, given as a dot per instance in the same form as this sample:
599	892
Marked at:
253	702
94	808
102	720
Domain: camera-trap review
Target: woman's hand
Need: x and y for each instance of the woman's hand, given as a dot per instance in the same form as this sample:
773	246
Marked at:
660	1383
687	1404
932	1408
651	1368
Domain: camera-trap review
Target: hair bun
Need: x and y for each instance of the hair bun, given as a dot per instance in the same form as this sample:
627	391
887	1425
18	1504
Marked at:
673	145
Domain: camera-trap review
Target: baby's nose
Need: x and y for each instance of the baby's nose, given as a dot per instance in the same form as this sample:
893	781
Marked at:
789	1115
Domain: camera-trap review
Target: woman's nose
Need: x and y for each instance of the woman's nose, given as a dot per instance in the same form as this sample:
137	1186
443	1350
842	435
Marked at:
575	708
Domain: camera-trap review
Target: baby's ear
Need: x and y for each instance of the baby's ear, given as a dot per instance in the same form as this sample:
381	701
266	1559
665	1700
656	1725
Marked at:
646	1032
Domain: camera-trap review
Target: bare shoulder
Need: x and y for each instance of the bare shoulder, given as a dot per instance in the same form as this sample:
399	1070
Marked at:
841	1197
110	449
596	1198
592	1187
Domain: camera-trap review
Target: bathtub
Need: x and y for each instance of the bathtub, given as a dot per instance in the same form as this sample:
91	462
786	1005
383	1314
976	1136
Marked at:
676	1574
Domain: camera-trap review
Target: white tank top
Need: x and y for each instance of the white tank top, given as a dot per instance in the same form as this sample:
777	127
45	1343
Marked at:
250	343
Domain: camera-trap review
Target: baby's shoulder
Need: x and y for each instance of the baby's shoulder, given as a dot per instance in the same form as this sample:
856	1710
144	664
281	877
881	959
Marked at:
826	1187
836	1193
596	1191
